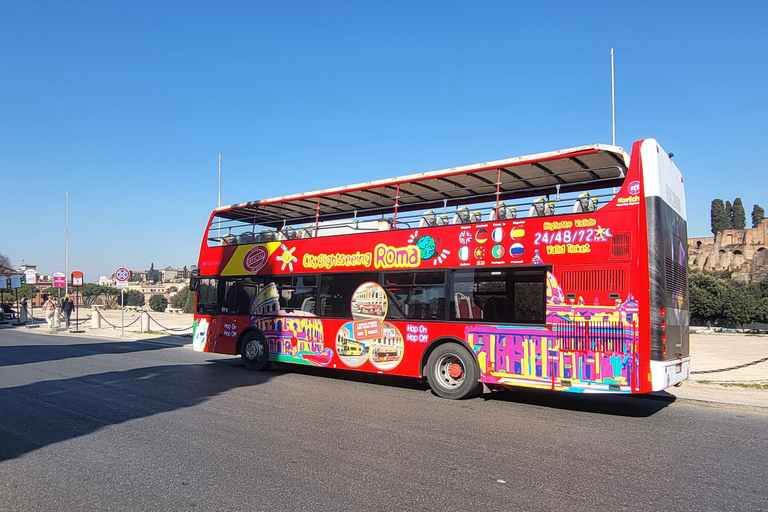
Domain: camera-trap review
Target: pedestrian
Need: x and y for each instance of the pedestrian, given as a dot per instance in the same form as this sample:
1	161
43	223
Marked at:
66	308
49	306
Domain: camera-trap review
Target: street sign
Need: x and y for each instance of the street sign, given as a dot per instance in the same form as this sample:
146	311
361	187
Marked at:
4	282
59	280
122	274
77	278
122	284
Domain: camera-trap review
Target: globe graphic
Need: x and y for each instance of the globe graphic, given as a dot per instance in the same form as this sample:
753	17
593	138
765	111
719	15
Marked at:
427	247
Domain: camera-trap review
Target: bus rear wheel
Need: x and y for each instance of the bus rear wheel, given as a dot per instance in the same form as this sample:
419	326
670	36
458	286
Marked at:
255	352
452	372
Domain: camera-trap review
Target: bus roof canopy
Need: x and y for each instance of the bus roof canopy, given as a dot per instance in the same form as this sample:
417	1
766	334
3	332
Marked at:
574	169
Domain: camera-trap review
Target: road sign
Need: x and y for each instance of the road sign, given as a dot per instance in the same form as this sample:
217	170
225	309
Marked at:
122	274
122	284
77	278
59	280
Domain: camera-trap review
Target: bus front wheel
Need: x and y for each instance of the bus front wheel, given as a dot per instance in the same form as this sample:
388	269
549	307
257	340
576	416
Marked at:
452	372
255	352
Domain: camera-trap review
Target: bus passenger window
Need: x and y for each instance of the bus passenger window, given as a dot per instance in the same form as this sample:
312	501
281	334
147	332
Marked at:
336	291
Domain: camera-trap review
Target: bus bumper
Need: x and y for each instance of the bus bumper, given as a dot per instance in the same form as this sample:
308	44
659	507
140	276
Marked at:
669	373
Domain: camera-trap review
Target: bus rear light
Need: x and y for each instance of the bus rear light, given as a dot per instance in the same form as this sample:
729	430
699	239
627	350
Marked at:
664	339
664	352
663	312
663	325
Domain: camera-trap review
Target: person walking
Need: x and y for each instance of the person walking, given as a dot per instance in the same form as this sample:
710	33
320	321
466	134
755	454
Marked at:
66	308
49	306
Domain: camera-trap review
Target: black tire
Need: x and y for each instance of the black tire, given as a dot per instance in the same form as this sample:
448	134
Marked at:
255	352
452	372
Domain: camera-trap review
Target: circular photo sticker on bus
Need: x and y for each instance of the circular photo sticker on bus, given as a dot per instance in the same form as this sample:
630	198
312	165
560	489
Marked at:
369	302
497	235
352	352
386	352
481	236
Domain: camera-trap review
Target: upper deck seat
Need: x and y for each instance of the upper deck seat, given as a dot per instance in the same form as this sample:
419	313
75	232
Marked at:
461	216
442	220
267	235
246	238
585	204
498	212
229	239
475	216
428	220
540	208
289	233
537	208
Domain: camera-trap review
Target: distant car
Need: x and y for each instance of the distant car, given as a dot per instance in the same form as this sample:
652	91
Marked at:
704	331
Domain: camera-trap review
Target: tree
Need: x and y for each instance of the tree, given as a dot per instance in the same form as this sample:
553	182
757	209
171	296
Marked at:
6	267
184	299
705	295
741	304
718	216
172	289
158	303
739	216
134	298
729	213
758	214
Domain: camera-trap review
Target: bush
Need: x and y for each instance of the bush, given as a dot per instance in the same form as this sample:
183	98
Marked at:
158	303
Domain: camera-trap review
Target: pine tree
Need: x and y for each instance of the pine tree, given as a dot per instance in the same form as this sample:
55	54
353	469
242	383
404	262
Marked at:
758	214
718	216
739	215
729	214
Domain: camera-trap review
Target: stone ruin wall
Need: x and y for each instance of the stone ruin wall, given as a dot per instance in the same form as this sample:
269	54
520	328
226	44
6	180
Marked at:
744	252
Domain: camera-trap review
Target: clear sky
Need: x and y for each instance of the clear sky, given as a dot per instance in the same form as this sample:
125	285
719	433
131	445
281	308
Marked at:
126	105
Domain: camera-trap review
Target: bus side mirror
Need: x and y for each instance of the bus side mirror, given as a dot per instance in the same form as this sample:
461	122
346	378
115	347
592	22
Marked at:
194	283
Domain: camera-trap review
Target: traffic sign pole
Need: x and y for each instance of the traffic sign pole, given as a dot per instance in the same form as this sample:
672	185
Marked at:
121	275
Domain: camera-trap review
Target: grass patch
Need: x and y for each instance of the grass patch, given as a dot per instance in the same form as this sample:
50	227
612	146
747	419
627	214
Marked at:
746	385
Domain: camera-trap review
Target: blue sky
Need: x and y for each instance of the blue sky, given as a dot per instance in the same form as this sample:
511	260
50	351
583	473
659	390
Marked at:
126	105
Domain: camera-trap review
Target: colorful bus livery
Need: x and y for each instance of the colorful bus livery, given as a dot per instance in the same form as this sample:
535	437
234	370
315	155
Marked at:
562	270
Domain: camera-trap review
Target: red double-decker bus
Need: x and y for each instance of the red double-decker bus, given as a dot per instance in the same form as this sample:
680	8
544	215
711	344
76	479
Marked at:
563	270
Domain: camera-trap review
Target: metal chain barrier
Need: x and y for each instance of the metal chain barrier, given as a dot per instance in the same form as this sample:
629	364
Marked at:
117	326
733	367
78	322
169	328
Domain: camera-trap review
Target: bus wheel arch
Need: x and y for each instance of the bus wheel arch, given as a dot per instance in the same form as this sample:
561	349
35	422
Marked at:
451	369
254	350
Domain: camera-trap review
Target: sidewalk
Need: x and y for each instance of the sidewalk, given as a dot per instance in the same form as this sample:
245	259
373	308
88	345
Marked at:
739	386
175	328
747	386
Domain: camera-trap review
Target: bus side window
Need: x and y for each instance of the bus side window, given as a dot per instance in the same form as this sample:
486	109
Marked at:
336	291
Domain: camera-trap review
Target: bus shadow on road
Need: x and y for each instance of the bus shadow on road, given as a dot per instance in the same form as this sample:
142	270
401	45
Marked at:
638	406
47	412
635	406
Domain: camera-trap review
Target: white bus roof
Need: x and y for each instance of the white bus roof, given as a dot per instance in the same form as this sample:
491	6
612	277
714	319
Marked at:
573	169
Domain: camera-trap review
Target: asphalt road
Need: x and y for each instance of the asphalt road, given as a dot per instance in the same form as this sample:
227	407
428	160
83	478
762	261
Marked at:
89	424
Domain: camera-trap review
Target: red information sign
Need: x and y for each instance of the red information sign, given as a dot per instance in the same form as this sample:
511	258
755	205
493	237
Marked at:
367	329
77	278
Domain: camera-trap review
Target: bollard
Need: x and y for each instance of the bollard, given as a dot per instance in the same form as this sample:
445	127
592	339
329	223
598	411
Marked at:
95	319
22	316
144	321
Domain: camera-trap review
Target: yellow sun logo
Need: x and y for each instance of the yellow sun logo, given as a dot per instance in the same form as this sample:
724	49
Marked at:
287	258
